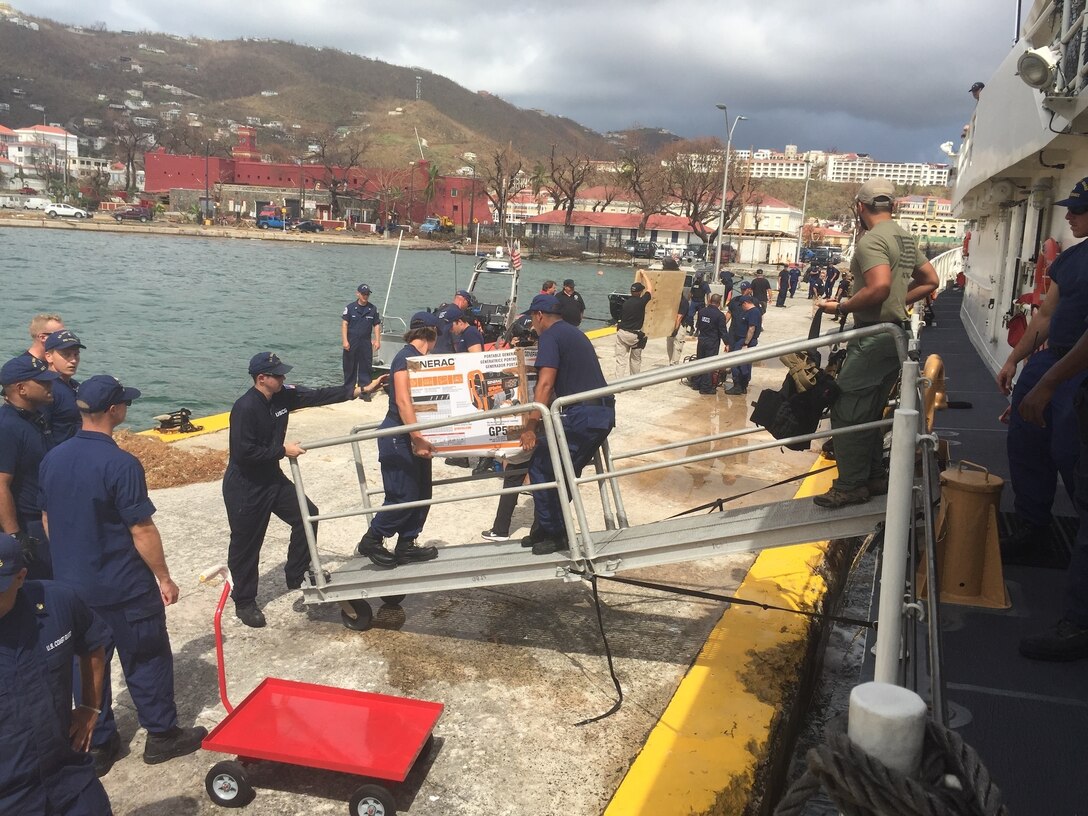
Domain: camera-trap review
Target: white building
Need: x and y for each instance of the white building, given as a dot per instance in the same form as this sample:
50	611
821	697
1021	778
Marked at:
858	168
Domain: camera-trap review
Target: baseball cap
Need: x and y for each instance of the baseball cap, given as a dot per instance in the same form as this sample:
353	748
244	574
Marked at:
363	289
745	286
267	362
423	319
453	314
549	304
61	340
874	189
101	391
978	86
467	295
636	287
569	282
12	559
25	367
1077	198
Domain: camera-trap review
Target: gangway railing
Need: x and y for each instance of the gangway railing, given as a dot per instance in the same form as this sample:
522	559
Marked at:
619	545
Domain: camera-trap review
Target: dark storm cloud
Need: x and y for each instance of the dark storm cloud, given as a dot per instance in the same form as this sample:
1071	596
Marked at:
886	78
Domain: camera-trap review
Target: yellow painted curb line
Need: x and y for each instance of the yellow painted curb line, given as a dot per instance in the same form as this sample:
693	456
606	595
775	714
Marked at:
704	752
595	333
208	424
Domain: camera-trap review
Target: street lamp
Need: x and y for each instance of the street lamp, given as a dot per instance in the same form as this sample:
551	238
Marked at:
725	184
207	151
804	206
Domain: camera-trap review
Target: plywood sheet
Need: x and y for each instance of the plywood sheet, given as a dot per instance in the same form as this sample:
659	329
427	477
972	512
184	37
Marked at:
661	312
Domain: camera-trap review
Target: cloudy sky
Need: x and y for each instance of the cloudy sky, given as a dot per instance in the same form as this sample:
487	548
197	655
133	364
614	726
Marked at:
888	78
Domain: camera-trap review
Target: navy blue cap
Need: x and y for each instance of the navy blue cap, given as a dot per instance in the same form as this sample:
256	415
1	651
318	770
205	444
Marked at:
363	289
102	391
61	340
743	299
12	559
569	282
637	287
467	295
25	367
421	320
745	285
549	304
1077	198
452	314
267	362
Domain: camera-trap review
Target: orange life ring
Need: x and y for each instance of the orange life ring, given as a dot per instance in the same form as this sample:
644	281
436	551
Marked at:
1047	253
966	243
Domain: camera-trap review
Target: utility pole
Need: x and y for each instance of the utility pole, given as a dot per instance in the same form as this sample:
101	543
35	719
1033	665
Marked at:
804	206
725	185
207	150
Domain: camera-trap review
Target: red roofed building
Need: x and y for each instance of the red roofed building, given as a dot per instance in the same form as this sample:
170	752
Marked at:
614	227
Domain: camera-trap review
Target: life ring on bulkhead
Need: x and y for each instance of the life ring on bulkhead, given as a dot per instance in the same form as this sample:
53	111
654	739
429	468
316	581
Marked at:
1048	252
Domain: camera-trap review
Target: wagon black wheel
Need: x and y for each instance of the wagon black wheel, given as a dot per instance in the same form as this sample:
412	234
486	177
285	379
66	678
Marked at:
227	785
392	600
363	616
372	800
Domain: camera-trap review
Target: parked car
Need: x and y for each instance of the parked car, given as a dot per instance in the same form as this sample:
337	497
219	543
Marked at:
65	211
695	252
435	224
629	247
135	213
310	226
645	249
36	203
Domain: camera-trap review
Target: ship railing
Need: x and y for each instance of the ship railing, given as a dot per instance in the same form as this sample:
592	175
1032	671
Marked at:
603	552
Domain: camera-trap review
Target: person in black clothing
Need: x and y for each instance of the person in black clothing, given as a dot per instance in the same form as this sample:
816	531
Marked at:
726	278
830	280
632	317
571	303
254	486
783	286
711	328
698	295
761	287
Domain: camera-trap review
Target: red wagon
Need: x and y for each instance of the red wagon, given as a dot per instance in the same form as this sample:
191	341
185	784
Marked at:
373	735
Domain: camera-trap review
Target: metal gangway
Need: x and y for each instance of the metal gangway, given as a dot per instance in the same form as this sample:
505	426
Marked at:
610	544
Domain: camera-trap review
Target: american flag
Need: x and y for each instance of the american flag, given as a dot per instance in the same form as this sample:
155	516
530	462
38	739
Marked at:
515	258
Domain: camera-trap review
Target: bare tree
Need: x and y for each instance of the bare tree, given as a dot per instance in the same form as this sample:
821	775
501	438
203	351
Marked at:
693	173
340	156
568	173
502	178
642	175
388	187
132	141
609	184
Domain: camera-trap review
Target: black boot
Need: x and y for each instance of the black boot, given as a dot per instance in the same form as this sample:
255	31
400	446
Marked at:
372	546
105	755
535	535
410	551
174	743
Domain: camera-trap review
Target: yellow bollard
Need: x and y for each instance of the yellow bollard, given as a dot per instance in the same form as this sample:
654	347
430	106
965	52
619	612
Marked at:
968	549
935	395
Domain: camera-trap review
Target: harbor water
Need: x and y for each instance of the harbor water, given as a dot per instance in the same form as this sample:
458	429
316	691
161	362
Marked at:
179	317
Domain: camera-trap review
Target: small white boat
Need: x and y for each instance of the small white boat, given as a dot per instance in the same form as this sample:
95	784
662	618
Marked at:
497	261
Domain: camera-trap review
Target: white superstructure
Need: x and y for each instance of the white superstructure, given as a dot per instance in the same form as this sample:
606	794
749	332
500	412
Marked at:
1021	152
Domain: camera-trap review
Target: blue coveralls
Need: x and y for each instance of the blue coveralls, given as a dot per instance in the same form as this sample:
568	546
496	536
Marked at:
254	486
40	774
363	320
1037	455
405	476
586	424
93	492
743	320
697	297
469	337
710	324
63	415
795	278
25	438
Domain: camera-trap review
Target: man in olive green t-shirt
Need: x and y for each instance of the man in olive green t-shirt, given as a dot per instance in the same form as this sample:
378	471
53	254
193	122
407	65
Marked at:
889	273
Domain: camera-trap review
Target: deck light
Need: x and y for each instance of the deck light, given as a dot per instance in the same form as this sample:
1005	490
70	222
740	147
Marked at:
1038	67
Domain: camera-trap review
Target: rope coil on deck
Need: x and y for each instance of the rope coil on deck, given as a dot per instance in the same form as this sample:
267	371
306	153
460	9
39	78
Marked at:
951	782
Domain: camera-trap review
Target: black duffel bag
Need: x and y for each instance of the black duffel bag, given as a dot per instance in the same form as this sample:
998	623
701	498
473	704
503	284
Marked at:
796	411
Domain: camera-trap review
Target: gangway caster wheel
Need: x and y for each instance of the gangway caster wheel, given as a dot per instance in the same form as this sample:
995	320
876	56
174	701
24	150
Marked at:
227	785
392	600
360	617
372	800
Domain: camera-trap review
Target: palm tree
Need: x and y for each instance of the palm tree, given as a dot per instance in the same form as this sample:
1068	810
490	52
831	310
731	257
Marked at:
432	180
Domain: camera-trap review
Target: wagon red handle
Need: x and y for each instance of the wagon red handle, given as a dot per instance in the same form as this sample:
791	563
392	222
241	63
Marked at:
206	576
